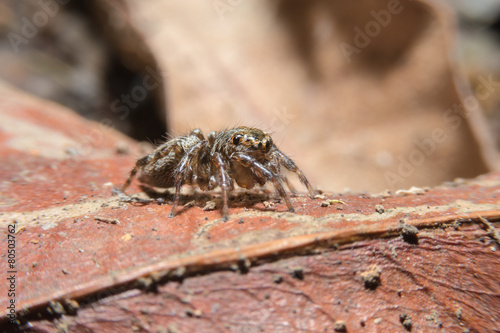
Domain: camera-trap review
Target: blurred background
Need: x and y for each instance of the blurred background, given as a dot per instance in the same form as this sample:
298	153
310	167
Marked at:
364	96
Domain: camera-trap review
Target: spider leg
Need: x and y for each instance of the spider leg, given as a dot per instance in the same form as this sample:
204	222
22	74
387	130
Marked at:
198	133
277	170
140	163
290	165
181	171
262	171
225	184
289	185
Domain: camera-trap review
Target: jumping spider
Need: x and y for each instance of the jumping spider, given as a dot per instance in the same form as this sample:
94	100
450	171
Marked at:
243	155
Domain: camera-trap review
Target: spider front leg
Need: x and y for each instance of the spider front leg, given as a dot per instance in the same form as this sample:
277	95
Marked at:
290	165
258	169
290	186
277	170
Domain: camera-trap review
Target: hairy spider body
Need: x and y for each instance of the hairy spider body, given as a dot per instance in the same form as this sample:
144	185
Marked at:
243	155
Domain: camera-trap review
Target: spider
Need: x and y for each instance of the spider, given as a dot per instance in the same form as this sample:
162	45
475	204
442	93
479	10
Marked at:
243	155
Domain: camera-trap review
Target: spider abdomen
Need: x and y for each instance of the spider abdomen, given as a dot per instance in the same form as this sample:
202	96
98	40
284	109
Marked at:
160	173
162	165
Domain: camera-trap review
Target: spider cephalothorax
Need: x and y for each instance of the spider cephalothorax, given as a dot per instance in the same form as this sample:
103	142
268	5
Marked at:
243	155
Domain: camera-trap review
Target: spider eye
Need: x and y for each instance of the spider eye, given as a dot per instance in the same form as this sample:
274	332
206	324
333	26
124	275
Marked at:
236	139
267	145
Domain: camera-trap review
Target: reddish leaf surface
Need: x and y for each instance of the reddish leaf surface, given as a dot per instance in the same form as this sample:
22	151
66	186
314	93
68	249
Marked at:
358	261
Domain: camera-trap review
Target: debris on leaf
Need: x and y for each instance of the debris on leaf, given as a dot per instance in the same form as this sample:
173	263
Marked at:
412	190
371	277
277	279
71	306
340	326
210	205
458	313
127	237
106	220
190	204
297	273
56	308
329	202
380	209
268	204
409	233
194	313
405	319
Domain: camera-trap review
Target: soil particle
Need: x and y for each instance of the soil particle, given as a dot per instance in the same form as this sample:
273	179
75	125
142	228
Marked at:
371	277
56	308
210	205
409	233
380	209
297	273
278	279
106	220
340	326
405	319
194	313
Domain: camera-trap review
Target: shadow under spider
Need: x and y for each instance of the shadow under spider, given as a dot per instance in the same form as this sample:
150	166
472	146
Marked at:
237	198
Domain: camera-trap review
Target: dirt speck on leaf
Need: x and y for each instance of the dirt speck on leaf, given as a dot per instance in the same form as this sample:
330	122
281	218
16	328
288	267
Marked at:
340	326
371	277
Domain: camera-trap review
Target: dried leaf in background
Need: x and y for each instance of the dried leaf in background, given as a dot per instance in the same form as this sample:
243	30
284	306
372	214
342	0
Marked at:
363	95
